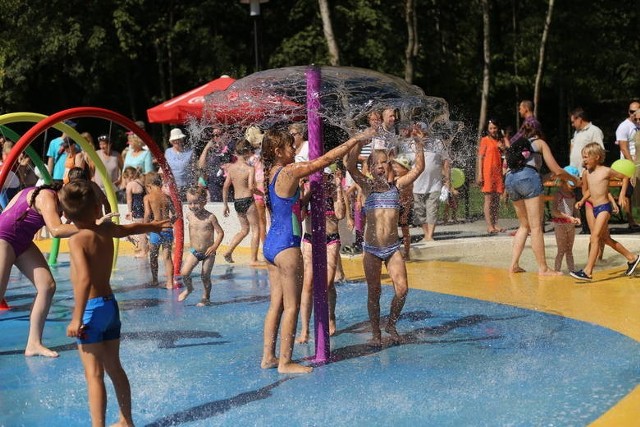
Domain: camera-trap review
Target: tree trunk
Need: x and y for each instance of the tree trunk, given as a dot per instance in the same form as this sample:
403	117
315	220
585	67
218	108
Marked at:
543	43
516	74
486	73
327	27
411	51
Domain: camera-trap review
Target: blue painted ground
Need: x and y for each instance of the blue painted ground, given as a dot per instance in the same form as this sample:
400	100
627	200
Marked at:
466	362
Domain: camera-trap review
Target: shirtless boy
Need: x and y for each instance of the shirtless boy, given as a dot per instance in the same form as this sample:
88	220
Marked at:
157	206
95	321
241	176
595	190
205	236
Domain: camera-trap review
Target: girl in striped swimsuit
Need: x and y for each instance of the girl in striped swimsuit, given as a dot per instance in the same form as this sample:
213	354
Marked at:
381	241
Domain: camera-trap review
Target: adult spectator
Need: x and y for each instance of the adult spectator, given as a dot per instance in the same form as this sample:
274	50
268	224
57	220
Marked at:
585	133
428	186
210	163
524	186
137	157
57	154
525	109
489	173
625	134
299	133
112	162
180	160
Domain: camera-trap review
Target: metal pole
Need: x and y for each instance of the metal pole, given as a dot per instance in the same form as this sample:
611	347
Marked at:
318	225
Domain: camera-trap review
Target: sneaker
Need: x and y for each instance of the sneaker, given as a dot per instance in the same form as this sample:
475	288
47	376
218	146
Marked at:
580	275
631	266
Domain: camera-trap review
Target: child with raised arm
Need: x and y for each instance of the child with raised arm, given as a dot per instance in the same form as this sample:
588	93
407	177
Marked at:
205	236
381	243
595	189
282	244
95	321
157	206
241	176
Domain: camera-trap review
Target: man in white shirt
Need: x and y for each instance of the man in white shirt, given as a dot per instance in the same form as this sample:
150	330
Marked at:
585	133
624	139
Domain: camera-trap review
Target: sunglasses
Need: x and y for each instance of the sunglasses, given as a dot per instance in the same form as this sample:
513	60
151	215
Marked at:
632	112
103	138
294	133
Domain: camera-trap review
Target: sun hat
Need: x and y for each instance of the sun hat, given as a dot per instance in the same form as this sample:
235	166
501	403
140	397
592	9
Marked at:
176	134
402	161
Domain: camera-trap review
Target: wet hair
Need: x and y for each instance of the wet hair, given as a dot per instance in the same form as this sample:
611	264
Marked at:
596	150
243	147
273	139
78	200
153	179
77	173
373	156
199	192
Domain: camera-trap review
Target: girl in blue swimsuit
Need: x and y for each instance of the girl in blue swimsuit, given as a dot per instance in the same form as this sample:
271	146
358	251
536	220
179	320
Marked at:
381	241
282	243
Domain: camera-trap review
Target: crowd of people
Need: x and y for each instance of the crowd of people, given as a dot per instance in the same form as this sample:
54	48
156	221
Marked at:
386	177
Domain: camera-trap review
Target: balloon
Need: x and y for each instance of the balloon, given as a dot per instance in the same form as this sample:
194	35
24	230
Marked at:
457	177
625	167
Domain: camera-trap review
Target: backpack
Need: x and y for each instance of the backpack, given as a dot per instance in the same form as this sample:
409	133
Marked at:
518	154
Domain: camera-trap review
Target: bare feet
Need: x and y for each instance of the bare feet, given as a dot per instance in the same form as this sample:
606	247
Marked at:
122	423
426	239
294	368
376	340
184	294
39	350
517	269
204	302
391	330
169	284
227	257
549	272
269	363
302	338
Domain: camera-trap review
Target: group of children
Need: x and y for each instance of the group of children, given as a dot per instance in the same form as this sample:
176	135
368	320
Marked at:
95	321
599	205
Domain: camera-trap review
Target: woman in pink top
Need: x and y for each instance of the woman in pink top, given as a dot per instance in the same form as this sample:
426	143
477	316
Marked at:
26	213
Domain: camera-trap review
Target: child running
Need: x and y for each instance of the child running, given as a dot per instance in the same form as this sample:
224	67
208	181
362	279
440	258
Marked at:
595	190
157	206
381	243
334	211
95	321
282	244
205	236
241	176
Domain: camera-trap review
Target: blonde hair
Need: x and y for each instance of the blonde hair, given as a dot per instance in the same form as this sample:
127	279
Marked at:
594	149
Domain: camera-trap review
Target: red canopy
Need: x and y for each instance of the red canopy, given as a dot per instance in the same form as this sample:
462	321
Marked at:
187	105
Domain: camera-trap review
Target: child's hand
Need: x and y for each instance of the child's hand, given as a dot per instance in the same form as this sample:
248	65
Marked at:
107	217
576	221
615	208
159	225
75	329
211	250
225	211
350	223
579	204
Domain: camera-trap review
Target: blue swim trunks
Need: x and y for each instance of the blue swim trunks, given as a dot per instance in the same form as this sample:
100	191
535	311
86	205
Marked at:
101	320
165	237
200	256
605	207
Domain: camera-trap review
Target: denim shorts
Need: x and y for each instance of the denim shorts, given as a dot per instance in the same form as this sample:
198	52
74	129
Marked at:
523	184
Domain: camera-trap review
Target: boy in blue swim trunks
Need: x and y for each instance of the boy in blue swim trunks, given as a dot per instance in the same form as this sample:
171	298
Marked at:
157	205
205	236
95	321
595	189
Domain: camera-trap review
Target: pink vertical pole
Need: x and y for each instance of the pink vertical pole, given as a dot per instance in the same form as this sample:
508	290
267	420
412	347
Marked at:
318	235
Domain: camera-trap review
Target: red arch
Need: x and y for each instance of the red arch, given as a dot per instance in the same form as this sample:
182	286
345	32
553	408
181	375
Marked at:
102	113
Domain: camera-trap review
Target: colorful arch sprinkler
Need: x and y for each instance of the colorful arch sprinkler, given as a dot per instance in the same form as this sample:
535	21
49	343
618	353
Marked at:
95	112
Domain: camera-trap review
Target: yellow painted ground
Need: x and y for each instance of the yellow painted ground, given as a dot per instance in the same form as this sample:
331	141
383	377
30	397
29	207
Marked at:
611	301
